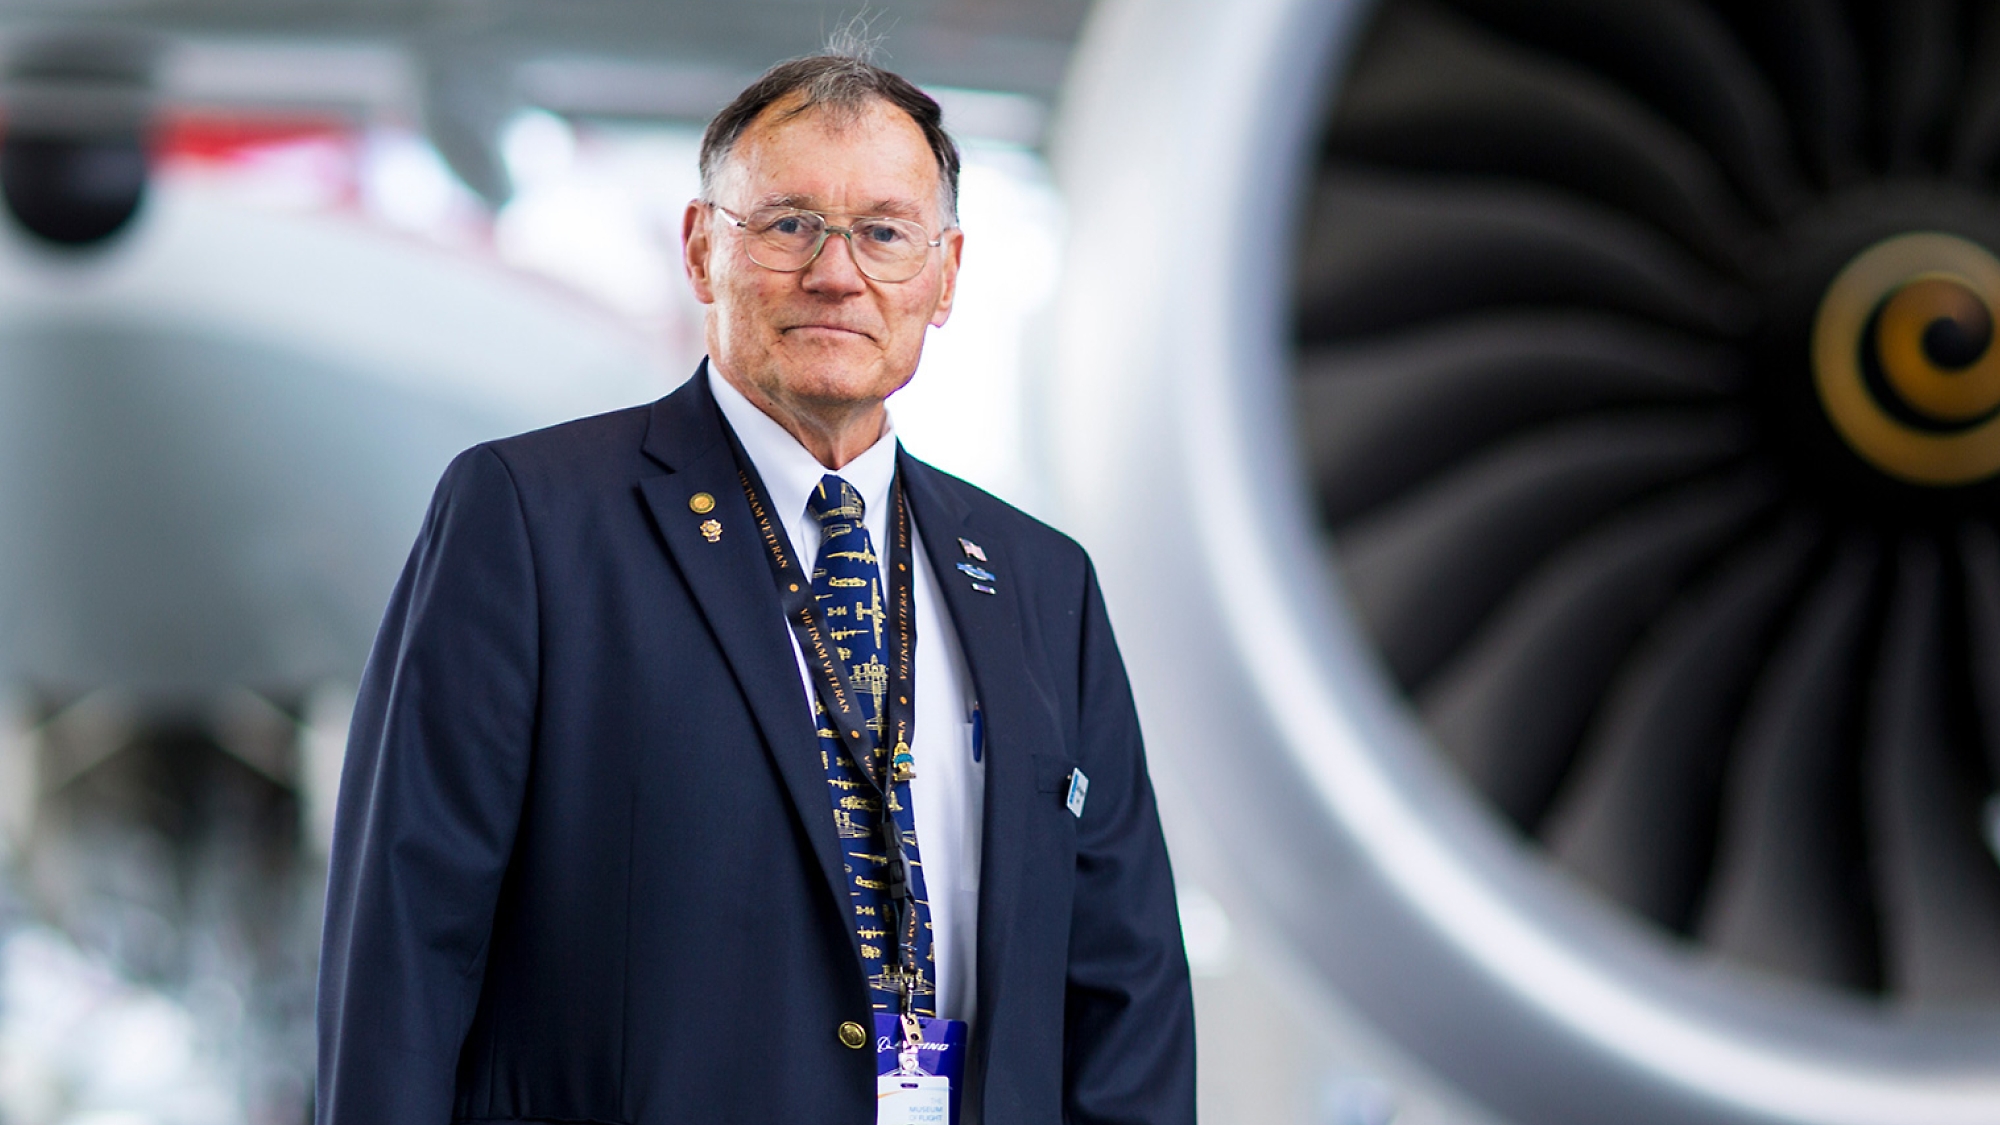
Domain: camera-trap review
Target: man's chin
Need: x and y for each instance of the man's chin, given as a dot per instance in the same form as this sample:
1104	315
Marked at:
833	385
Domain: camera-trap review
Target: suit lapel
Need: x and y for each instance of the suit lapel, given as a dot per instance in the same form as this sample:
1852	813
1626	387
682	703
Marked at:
730	580
989	633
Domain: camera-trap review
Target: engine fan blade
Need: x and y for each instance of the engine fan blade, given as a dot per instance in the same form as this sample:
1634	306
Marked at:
1376	418
1979	554
1810	51
1685	64
1922	71
1426	569
1638	817
1385	252
1436	92
1975	135
1789	893
1513	703
1938	888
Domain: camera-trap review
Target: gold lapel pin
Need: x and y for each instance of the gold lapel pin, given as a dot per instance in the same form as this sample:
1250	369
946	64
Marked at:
711	530
701	503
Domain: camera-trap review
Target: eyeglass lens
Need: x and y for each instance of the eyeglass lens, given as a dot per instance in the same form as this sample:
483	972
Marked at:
885	249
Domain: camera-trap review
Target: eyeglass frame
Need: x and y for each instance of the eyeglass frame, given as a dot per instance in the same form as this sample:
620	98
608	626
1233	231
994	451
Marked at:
827	227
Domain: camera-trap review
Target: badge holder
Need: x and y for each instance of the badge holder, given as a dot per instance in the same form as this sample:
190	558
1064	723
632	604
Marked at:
910	1095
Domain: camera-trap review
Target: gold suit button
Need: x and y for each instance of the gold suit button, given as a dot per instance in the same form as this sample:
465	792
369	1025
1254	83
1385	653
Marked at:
851	1035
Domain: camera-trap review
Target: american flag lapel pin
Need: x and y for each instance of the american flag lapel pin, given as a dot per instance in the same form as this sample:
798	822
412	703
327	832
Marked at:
982	578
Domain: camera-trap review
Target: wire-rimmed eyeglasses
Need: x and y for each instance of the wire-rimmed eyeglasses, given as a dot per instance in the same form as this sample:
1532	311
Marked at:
788	239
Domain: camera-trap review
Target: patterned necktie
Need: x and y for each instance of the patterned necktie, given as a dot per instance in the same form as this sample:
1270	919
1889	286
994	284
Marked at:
847	584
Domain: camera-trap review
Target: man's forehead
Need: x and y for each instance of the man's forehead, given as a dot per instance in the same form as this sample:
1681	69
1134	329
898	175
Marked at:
793	158
873	124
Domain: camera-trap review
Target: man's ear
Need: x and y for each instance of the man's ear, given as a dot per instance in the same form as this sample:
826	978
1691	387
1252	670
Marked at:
952	250
696	245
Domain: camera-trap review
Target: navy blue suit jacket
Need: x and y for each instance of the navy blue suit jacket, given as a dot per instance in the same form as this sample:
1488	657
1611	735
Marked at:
585	868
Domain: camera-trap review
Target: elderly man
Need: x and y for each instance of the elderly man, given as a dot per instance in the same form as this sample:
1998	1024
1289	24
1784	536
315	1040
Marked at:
711	747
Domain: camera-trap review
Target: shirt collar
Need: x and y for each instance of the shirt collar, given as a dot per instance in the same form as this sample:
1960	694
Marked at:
791	472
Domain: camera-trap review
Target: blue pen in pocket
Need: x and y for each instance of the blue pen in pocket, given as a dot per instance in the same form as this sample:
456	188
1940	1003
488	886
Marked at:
978	733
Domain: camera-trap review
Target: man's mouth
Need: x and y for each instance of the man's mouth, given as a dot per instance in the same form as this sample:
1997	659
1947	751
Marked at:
839	329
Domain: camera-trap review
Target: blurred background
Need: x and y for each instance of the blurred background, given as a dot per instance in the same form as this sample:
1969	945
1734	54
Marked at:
1582	697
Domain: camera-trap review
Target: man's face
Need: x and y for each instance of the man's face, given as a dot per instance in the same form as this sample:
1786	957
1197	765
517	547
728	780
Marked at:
825	337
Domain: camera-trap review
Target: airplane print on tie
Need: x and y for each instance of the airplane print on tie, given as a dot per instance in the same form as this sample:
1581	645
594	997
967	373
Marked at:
847	585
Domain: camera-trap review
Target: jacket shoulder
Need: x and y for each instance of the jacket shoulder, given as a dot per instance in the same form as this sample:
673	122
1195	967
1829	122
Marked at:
577	450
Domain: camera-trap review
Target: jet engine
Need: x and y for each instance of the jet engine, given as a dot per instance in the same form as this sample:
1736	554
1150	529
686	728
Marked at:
1550	451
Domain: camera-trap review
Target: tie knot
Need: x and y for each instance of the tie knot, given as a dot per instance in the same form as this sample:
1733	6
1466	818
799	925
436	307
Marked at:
834	501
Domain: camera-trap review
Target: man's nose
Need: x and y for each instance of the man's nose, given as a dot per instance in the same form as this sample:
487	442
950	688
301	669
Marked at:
835	270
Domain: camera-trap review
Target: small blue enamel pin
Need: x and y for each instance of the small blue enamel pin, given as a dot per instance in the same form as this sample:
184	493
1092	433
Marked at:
982	579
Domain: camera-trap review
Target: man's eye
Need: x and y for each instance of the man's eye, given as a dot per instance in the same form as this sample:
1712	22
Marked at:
790	224
883	234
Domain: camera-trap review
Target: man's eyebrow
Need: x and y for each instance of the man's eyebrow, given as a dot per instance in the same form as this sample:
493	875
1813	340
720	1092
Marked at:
896	208
890	208
802	202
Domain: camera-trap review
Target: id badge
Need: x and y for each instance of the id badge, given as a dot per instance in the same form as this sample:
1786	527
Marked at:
941	1057
912	1099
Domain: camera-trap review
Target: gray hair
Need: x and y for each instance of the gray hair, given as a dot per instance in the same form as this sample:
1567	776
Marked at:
842	81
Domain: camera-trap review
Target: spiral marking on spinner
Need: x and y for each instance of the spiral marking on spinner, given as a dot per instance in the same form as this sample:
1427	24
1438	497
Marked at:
1916	312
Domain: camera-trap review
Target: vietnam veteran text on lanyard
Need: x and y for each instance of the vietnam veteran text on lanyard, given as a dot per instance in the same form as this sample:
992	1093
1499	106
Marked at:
919	1059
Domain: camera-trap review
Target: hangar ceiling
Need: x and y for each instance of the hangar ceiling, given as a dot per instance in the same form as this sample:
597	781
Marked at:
460	70
696	53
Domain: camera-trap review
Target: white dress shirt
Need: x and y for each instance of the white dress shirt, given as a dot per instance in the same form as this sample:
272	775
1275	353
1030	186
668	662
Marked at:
949	790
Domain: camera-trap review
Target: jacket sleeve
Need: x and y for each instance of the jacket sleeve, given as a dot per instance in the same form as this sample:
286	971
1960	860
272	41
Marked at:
430	796
1129	1019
